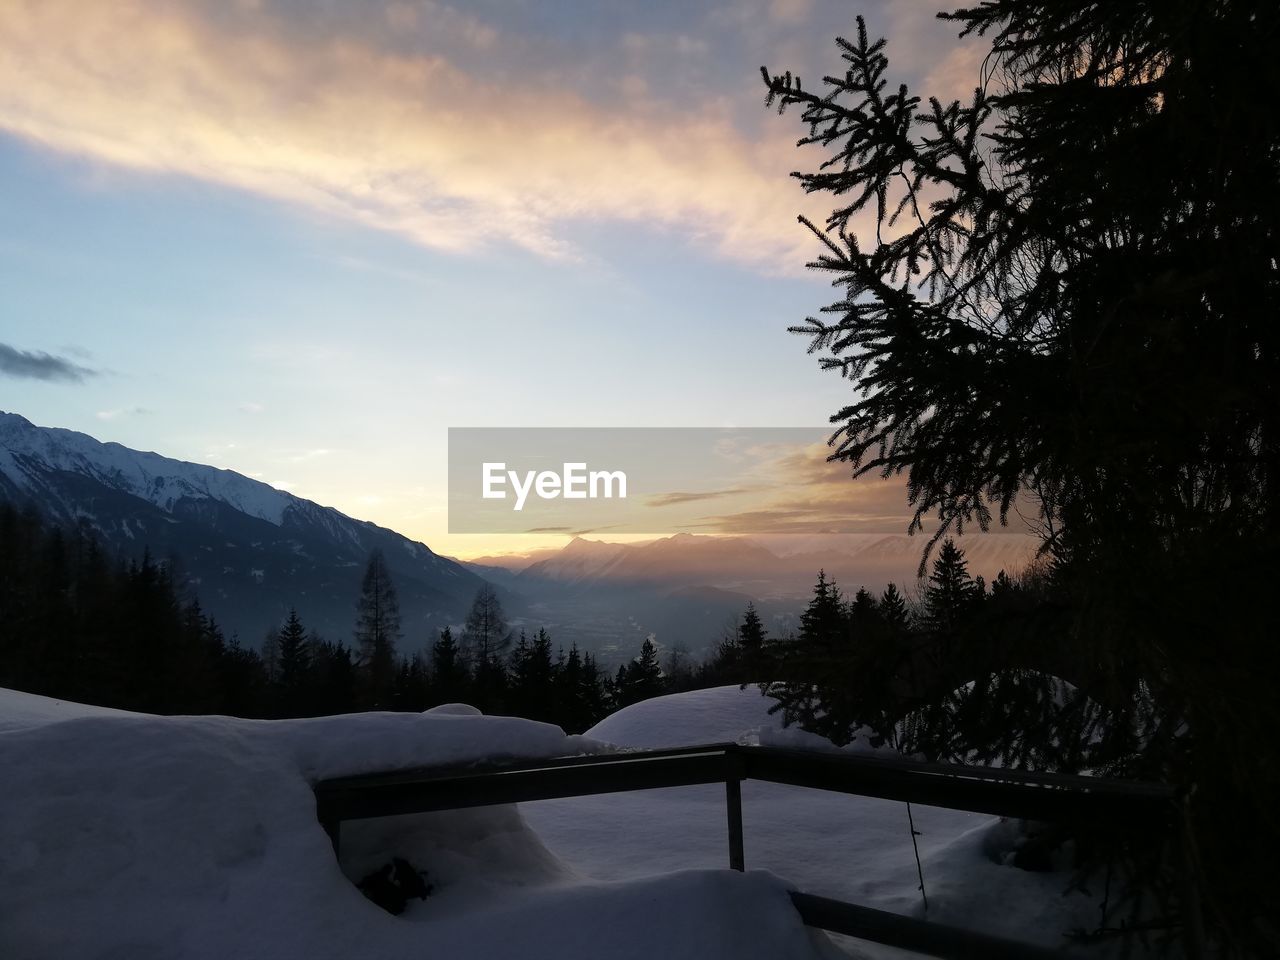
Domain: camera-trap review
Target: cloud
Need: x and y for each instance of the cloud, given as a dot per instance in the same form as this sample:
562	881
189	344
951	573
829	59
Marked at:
122	412
670	499
958	73
807	493
37	365
949	68
405	141
790	11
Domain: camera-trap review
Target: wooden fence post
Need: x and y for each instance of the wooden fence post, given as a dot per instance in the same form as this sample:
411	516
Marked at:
733	802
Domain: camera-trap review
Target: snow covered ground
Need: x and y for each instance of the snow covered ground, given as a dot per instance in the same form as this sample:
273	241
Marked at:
130	837
853	848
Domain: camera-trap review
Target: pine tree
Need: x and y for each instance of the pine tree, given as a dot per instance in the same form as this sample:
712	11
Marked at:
617	688
411	691
292	645
518	667
642	678
1002	585
950	597
335	678
485	637
243	681
125	638
810	672
151	650
520	700
293	649
378	631
595	696
530	687
1061	292
751	640
541	677
449	680
865	619
894	610
823	619
486	634
576	693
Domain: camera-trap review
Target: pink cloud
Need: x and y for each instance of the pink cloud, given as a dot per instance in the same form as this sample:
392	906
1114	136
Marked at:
409	143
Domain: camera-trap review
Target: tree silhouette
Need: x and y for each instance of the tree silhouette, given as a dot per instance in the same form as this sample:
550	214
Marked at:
893	608
751	640
640	679
378	630
293	651
578	692
951	592
449	680
485	638
809	676
1062	293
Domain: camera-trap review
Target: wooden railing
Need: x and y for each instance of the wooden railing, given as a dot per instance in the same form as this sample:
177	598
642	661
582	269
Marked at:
1122	805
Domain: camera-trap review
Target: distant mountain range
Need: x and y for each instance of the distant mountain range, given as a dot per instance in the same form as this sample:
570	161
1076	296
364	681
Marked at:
250	551
690	589
767	567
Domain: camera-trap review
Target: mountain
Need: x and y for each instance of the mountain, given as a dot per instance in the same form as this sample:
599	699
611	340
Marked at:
512	562
689	590
248	550
580	561
760	567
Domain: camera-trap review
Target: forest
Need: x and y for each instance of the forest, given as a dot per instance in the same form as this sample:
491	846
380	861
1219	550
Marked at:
85	626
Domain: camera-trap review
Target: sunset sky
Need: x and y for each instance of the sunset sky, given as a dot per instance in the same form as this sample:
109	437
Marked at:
302	239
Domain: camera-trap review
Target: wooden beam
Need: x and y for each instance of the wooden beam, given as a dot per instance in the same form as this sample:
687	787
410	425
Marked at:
733	803
908	933
982	790
359	798
985	790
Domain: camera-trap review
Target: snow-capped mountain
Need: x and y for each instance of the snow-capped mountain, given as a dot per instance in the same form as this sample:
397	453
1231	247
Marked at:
250	551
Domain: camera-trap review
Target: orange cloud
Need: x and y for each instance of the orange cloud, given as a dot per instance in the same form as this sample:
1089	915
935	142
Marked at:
799	490
671	499
409	143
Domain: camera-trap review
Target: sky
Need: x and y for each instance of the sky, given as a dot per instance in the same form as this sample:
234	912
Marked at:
301	240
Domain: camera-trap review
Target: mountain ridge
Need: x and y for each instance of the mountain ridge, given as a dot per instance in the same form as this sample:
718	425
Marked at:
249	550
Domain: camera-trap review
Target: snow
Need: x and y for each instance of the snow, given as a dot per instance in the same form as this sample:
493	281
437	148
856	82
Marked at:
720	715
852	848
125	835
20	711
156	479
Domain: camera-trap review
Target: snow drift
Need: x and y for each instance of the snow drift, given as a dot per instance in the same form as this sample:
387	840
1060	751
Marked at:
852	848
139	837
133	837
